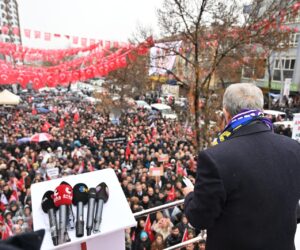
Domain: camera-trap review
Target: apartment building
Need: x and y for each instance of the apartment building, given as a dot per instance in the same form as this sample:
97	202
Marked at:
9	19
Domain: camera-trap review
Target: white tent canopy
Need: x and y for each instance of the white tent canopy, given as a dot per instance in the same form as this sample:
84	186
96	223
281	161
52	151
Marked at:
8	98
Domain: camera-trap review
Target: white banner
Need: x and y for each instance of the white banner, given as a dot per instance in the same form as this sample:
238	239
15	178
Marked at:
287	87
162	57
170	89
52	173
296	127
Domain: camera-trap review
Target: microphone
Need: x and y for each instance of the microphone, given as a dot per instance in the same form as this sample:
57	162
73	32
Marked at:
50	209
101	198
70	214
80	198
63	196
91	209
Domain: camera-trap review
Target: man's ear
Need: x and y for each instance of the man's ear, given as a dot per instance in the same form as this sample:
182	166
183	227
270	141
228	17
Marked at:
227	115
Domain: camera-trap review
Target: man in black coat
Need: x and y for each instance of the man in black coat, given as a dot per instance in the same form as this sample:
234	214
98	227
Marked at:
248	186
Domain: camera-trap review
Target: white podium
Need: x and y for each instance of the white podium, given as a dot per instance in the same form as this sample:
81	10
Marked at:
116	217
297	238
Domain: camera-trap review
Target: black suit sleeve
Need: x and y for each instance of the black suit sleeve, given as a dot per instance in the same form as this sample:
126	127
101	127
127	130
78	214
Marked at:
203	206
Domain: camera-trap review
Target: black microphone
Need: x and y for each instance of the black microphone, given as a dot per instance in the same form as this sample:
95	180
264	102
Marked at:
80	198
101	198
50	209
91	209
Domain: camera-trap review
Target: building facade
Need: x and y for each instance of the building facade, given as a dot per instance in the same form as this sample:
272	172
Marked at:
9	19
290	64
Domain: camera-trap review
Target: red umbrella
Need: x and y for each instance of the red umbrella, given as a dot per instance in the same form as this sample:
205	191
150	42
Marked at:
41	137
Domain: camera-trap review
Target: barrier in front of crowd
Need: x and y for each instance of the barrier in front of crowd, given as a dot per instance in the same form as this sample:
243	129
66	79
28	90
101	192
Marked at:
163	207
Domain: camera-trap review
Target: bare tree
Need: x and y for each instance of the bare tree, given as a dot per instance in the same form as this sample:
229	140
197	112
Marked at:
130	81
217	32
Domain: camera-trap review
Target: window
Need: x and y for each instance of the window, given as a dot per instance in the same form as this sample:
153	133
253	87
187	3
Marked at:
294	39
292	18
288	66
287	63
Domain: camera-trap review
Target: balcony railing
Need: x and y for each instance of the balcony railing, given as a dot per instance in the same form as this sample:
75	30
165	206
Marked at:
163	207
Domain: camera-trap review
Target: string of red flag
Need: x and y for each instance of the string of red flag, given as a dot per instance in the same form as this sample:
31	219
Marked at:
98	63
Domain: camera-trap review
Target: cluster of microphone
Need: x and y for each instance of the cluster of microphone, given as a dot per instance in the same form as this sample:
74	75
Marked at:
80	195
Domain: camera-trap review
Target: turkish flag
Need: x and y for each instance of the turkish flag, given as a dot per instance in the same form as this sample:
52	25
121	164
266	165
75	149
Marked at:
75	39
47	36
5	30
62	123
180	170
116	45
147	229
76	117
16	31
185	236
83	42
27	33
107	44
127	152
171	194
37	34
46	127
14	196
6	233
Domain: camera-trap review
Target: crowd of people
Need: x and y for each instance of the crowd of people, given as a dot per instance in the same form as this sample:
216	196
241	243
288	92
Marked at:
85	139
81	142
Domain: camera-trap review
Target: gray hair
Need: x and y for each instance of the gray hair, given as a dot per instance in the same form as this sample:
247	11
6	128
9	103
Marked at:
241	96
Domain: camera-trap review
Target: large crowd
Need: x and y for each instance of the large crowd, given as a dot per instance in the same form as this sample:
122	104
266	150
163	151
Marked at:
82	142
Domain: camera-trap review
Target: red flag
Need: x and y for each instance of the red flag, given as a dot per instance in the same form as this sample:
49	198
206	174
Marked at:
14	196
107	44
171	194
83	42
128	152
2	207
148	230
16	31
76	117
7	232
46	127
5	30
185	236
21	184
75	39
47	36
61	123
27	33
116	45
37	34
180	170
92	41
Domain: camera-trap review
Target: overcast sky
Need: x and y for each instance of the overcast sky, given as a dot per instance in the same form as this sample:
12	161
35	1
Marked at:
100	19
